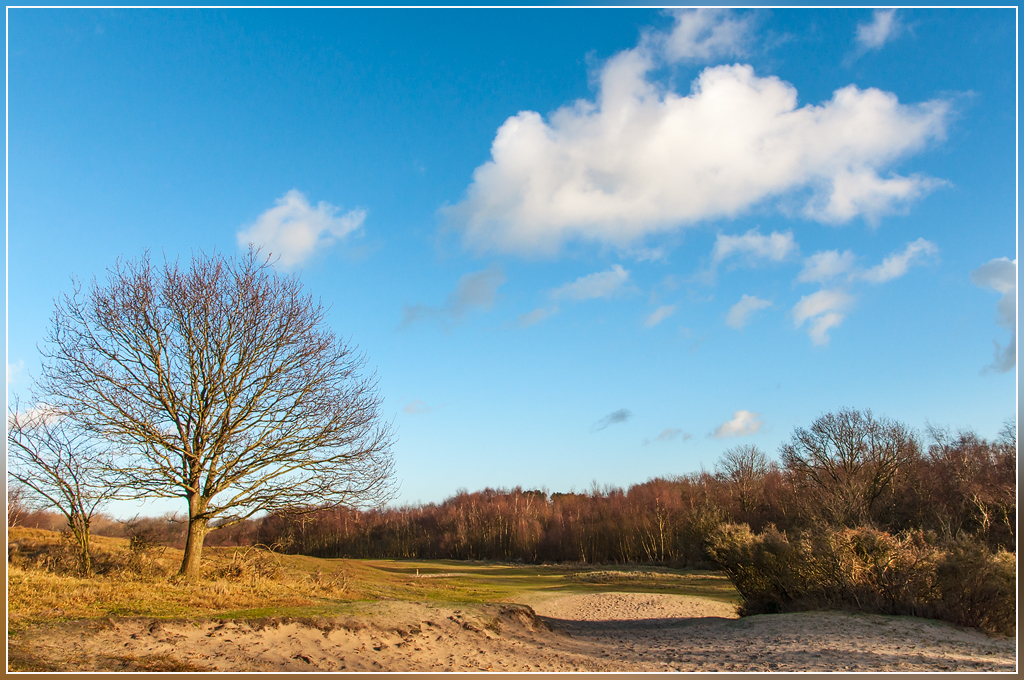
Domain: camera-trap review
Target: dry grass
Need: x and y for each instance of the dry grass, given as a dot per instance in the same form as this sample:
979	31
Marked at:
235	579
254	582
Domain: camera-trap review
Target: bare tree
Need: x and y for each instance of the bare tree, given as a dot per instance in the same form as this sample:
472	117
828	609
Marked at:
745	468
845	462
224	386
59	465
16	506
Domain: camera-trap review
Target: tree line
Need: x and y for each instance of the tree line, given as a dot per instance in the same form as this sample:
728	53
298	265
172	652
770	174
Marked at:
849	469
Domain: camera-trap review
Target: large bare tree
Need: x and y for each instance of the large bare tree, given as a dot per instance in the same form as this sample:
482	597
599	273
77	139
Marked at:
58	465
224	385
846	462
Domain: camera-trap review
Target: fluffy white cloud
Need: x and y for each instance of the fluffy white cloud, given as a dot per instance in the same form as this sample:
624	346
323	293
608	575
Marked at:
1001	275
743	423
896	265
659	315
705	34
599	285
753	244
825	310
740	312
642	159
883	27
826	265
475	291
293	230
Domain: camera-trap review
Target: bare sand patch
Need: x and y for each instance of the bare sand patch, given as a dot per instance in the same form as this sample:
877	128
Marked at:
594	632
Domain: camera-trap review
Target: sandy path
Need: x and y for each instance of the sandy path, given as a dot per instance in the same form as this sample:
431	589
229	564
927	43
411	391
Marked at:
597	632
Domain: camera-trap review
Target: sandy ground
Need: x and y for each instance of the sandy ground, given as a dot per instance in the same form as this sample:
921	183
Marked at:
596	632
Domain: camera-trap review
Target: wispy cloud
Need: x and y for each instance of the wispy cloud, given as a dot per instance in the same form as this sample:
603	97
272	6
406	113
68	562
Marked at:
474	292
37	415
536	316
743	423
824	266
897	264
1000	275
417	407
600	285
825	309
668	435
14	371
293	230
706	34
884	26
613	418
741	312
641	159
659	315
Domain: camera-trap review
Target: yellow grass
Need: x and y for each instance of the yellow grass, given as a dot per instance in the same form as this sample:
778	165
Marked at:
252	583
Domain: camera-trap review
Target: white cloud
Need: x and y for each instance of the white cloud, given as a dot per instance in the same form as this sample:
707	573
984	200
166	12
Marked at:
641	159
884	26
740	312
775	247
39	414
825	309
293	230
826	265
14	371
536	316
896	265
598	285
705	34
1000	274
743	423
659	315
476	291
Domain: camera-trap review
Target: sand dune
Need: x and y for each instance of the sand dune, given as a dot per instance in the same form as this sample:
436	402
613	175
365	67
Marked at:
596	632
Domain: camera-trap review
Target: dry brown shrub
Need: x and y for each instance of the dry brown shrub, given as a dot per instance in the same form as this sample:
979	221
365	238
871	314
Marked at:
253	566
870	570
977	587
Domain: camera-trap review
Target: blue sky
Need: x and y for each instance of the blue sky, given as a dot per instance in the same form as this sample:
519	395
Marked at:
577	246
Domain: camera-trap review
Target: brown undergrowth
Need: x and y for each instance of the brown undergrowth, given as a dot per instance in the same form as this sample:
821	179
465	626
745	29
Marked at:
864	569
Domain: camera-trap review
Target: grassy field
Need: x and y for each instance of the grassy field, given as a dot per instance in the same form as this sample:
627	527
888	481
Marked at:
256	583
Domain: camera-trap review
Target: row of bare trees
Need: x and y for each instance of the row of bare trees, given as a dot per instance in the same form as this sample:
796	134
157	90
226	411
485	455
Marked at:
219	384
849	469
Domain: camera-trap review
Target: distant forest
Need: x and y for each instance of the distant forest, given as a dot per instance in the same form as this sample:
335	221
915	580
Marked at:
848	470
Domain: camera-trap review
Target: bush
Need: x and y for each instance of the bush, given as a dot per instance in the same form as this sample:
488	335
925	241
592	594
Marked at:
872	571
977	588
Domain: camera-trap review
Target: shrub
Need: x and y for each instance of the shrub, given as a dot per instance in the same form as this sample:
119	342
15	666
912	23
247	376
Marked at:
869	570
977	588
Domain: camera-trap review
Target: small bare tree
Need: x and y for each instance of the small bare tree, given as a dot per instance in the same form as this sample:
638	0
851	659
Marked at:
845	462
224	386
16	506
59	465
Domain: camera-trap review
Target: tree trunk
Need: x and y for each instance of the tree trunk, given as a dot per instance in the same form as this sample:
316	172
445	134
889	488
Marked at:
80	530
193	548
